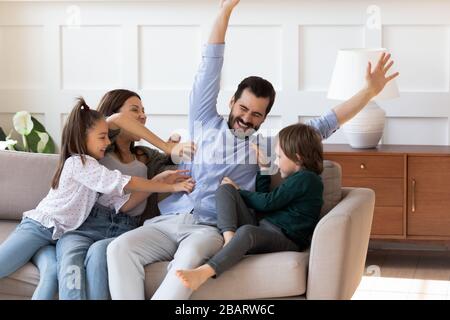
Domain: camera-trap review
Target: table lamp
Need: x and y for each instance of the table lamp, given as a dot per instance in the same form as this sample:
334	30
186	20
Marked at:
366	128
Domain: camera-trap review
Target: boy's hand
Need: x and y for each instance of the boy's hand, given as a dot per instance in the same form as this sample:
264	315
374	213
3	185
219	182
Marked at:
376	79
227	180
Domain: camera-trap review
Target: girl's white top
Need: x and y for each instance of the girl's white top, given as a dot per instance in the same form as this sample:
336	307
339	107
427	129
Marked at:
68	206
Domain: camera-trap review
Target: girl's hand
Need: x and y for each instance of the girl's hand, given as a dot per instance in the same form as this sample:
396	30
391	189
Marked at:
181	151
263	161
185	186
227	180
172	176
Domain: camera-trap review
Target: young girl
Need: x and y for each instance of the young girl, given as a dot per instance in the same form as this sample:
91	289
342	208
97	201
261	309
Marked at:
76	185
292	209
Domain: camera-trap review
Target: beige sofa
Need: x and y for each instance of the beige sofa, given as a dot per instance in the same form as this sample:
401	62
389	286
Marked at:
331	269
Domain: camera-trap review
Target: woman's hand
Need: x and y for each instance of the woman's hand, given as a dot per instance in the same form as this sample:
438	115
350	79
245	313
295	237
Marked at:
227	180
181	151
185	186
172	176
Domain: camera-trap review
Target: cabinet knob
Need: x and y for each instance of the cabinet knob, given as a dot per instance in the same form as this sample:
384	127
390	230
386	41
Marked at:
362	166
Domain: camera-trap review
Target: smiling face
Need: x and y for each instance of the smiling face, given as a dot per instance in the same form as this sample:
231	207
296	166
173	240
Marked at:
97	139
133	108
247	113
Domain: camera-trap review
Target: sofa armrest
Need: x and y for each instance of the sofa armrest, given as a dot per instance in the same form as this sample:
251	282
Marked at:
339	246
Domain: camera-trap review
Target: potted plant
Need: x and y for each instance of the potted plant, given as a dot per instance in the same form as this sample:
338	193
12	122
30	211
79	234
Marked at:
34	136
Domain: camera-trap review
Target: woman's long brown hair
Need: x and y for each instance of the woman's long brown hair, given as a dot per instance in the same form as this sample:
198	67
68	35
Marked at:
111	103
73	141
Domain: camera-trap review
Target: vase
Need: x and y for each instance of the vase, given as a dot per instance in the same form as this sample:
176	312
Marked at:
366	128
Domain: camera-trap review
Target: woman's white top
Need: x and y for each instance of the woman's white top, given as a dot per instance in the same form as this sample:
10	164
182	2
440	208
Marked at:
68	206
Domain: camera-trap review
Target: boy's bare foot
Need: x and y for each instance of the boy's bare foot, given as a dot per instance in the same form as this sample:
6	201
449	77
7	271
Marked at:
194	278
227	236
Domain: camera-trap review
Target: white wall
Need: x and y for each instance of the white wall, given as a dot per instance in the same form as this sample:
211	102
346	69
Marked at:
154	47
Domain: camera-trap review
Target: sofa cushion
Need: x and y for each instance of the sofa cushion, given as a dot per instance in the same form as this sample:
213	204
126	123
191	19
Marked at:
287	272
25	180
21	283
270	275
332	186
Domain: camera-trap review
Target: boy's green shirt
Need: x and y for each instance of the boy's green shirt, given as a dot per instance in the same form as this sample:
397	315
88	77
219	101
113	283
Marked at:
294	206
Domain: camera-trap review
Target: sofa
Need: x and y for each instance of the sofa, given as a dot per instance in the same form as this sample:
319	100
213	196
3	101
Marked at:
331	268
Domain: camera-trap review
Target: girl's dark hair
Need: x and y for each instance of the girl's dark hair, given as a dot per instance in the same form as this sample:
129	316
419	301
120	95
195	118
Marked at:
111	103
303	140
73	141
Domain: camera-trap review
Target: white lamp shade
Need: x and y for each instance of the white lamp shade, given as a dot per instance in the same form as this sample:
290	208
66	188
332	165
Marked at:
350	72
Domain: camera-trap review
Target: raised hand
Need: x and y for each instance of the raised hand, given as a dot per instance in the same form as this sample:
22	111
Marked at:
229	4
376	79
172	176
185	186
227	180
263	161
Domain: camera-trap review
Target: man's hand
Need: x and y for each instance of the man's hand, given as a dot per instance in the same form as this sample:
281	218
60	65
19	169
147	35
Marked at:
221	25
229	4
227	180
263	161
376	79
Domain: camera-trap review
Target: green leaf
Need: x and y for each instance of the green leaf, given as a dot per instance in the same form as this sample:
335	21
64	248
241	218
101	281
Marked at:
2	135
33	139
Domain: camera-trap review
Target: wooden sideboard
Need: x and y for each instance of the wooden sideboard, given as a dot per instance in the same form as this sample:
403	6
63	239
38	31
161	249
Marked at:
412	186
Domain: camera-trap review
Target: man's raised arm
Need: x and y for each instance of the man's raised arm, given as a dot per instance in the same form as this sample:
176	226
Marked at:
376	80
203	99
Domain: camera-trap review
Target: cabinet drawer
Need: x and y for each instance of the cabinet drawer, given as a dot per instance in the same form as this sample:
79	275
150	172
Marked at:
388	192
387	221
369	166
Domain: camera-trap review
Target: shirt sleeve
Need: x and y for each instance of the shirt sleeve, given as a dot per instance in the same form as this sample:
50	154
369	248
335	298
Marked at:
97	177
325	125
279	198
263	182
203	98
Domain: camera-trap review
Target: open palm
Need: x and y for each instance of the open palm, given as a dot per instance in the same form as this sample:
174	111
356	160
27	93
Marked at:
377	79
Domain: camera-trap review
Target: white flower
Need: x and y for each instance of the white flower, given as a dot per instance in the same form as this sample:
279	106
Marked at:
8	144
42	142
22	123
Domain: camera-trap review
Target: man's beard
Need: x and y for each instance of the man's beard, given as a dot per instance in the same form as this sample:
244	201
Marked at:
240	133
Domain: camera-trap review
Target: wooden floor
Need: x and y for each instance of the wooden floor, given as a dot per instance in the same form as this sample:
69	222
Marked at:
411	275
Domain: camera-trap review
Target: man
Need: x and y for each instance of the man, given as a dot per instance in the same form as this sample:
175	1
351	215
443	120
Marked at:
185	233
